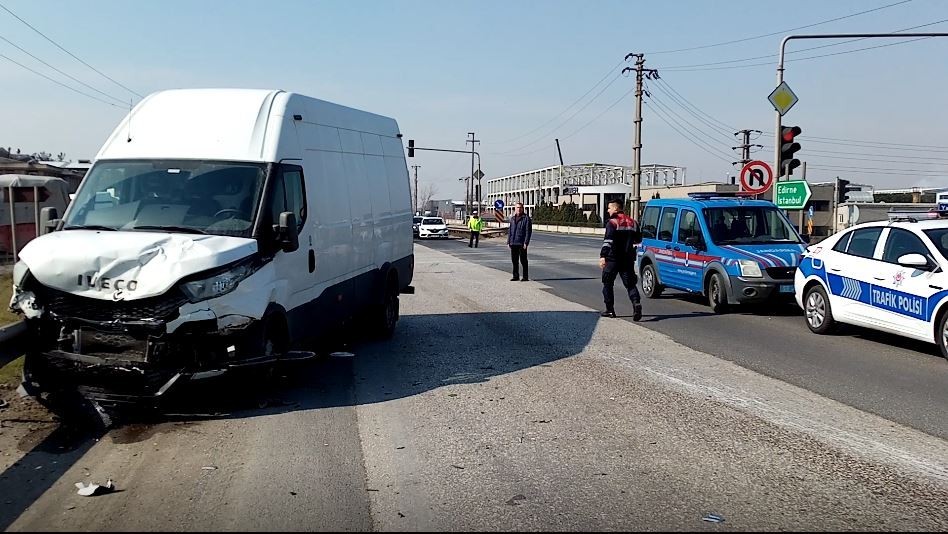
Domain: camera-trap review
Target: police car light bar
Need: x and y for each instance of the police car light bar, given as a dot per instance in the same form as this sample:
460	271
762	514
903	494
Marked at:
915	216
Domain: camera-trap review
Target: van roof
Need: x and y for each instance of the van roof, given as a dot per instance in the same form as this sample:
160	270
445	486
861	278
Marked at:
234	125
716	202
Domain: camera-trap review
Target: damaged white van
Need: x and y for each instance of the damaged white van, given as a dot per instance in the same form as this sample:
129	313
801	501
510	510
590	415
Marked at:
217	229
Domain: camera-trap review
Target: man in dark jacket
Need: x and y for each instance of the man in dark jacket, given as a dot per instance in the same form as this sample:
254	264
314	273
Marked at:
518	238
617	258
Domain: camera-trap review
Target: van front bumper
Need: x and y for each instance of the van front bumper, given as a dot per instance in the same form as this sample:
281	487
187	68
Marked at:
746	290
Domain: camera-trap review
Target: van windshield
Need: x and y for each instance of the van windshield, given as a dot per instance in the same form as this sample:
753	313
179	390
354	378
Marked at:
198	197
749	225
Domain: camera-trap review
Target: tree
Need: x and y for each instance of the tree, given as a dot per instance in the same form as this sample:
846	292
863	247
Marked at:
426	194
594	218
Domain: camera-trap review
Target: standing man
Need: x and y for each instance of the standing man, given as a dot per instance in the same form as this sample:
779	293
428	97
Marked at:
475	224
617	258
518	238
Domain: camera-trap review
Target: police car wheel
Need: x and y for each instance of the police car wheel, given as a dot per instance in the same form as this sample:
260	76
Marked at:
650	285
816	308
717	295
942	335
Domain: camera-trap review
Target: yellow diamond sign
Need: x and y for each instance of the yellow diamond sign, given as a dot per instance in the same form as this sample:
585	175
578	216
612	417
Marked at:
783	98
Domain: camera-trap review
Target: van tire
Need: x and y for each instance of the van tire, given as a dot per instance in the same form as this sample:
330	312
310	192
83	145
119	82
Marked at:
717	294
650	286
385	315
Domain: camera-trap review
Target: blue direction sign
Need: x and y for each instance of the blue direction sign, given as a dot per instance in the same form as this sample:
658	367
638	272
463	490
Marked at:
498	204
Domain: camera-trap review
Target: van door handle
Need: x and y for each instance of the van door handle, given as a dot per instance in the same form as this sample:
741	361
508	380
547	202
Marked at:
835	270
677	249
939	288
668	247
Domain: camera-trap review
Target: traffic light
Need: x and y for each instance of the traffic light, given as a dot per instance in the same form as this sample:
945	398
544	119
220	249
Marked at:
411	148
788	146
842	190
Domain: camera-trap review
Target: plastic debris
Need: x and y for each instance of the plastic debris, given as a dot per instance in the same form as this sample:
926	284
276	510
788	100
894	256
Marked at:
341	355
209	468
3	404
713	518
93	490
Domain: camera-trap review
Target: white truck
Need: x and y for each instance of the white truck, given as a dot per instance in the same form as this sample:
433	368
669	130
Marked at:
217	229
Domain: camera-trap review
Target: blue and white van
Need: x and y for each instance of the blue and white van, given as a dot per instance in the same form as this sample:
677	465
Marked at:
730	249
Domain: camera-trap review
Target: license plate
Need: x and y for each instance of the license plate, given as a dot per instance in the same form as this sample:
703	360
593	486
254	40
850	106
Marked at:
786	288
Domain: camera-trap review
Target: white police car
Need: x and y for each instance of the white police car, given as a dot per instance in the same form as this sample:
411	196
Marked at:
890	276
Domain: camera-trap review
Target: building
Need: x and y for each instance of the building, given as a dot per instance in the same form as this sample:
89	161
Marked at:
603	182
56	169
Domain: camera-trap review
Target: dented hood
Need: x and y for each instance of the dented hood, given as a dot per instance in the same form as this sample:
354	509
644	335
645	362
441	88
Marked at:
126	265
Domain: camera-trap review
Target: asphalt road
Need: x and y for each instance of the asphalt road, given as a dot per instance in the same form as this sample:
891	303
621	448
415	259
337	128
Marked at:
497	406
899	379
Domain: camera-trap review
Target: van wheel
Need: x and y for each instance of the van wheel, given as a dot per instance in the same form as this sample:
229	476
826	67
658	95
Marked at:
717	295
650	285
941	336
386	313
816	308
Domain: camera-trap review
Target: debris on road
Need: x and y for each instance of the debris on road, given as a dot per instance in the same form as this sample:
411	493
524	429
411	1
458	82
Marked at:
515	500
457	466
3	404
209	468
713	518
95	489
341	355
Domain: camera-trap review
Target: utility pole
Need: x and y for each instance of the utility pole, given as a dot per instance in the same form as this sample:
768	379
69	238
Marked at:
470	190
641	73
416	186
746	146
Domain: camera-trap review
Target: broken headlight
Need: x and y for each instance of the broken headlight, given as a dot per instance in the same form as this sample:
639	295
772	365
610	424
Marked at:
218	284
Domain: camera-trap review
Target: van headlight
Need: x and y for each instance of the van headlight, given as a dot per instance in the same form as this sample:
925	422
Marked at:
750	269
219	284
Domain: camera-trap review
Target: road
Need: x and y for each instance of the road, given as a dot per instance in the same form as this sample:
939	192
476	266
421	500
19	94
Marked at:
899	379
497	406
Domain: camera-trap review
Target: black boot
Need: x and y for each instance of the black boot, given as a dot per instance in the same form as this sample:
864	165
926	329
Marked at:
637	312
608	313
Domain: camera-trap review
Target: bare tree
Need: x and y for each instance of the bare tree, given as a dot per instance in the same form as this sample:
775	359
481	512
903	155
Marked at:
426	194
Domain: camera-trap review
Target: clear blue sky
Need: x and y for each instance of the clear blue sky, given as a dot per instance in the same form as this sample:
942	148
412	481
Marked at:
502	69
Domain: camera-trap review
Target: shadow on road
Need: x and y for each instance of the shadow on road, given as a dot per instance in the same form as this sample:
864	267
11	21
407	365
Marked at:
426	353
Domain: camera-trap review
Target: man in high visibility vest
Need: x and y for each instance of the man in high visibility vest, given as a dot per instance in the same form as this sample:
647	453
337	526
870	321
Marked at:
475	224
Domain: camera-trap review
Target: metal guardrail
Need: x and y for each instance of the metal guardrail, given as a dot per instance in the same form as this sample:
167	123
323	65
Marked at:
11	338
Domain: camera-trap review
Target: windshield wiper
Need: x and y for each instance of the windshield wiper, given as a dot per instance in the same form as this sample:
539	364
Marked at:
89	227
170	228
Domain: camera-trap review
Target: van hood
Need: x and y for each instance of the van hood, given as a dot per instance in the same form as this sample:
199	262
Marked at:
126	265
770	255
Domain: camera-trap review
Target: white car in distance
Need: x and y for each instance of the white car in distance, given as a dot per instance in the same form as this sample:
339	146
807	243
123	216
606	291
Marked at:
432	227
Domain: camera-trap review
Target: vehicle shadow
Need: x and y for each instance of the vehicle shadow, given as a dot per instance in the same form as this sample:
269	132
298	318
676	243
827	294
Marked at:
427	352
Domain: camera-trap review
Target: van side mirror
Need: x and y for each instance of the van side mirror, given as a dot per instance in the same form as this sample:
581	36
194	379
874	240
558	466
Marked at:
695	242
288	233
49	220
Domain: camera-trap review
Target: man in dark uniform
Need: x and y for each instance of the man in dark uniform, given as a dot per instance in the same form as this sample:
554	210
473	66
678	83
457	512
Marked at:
617	259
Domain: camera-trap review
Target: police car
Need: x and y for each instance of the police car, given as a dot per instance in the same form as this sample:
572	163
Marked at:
889	276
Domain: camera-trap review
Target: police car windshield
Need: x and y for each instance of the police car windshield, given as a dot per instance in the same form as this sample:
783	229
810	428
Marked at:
749	225
939	237
432	221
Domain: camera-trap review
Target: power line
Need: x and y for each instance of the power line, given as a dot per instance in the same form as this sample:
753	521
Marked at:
560	125
878	170
774	56
779	32
668	86
910	158
68	52
709	149
713	126
804	58
667	109
560	114
58	82
59	71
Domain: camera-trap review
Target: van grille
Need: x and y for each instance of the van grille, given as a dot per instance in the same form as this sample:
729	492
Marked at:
161	308
781	273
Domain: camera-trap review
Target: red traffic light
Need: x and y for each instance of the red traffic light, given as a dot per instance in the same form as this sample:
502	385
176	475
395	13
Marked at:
789	132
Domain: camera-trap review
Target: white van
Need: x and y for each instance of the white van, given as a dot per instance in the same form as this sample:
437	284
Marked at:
216	229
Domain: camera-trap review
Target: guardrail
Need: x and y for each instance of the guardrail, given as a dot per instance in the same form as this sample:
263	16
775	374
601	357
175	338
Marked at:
11	341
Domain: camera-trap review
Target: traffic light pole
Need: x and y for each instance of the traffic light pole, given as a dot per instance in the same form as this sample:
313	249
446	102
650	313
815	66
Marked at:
783	47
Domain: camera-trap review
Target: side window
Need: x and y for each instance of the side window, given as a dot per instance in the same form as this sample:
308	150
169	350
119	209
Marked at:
843	243
288	194
901	242
667	225
650	222
863	242
688	226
